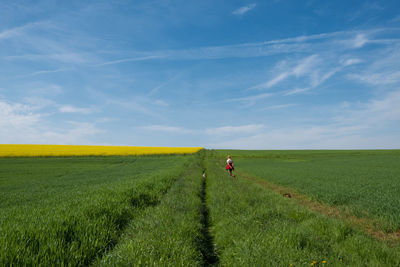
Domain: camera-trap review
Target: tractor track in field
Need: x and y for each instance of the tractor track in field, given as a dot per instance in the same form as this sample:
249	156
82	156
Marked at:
141	202
206	246
365	224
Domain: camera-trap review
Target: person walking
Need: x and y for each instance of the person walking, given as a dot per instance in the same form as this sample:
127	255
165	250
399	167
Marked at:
230	166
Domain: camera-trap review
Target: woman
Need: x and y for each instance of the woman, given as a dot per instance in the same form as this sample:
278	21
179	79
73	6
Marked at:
229	165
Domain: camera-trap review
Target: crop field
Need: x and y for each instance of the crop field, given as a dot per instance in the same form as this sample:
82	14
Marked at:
185	210
69	211
365	183
68	150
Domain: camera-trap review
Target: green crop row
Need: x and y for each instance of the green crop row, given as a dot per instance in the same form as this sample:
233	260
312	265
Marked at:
364	182
69	212
256	227
169	234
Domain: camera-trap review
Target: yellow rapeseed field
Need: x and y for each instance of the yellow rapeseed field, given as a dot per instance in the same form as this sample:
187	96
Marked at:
66	150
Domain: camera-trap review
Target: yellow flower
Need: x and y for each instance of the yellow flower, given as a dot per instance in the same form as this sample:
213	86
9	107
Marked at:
323	261
63	150
291	264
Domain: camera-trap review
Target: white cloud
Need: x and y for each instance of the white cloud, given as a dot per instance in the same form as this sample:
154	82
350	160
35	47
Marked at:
339	42
133	59
279	106
161	103
244	9
22	124
249	99
272	82
42	72
351	61
232	130
165	129
17	116
17	31
79	133
297	91
369	125
305	66
383	78
308	138
72	109
379	111
46	42
359	41
308	66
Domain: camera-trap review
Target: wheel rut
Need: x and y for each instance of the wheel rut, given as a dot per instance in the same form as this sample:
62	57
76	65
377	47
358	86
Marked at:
206	246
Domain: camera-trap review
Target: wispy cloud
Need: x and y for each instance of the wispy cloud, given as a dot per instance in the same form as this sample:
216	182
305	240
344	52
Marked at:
273	81
317	68
249	100
282	106
17	115
23	124
43	72
156	89
350	128
340	42
351	61
389	77
160	102
297	91
244	9
166	129
45	41
234	130
359	41
133	59
17	31
72	109
302	68
373	113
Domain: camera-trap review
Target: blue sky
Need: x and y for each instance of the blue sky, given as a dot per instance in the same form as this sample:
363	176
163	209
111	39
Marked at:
281	74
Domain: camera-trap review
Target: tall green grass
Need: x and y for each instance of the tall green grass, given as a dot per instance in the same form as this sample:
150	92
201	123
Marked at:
256	227
70	211
365	182
169	234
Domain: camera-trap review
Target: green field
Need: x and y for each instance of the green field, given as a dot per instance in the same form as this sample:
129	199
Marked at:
365	182
160	211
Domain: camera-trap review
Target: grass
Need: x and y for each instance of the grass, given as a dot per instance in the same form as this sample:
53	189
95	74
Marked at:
70	211
159	211
256	227
363	182
171	233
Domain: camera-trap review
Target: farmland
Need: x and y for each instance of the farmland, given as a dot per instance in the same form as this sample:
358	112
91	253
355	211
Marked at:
69	150
366	183
71	210
158	210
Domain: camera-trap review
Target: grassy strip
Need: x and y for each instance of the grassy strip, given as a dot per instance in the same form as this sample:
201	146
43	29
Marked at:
256	227
170	234
364	183
84	222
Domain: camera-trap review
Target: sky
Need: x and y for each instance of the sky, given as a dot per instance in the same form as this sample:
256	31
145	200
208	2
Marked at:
273	74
